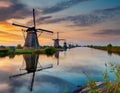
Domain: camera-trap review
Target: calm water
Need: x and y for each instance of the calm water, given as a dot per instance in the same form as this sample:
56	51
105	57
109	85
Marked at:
70	69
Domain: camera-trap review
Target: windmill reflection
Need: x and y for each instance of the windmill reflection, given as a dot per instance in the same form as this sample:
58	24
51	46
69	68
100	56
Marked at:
31	61
57	56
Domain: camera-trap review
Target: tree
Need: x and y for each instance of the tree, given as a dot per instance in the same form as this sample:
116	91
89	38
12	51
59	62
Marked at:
19	46
109	46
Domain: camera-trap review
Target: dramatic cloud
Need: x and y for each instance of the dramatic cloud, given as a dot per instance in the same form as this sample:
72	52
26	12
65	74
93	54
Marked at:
15	10
45	18
62	5
8	34
5	3
108	32
95	17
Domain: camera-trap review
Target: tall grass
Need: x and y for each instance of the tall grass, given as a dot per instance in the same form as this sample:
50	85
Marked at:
109	87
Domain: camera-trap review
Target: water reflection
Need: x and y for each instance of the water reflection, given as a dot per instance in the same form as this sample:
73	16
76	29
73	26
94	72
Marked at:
71	71
57	57
109	53
11	56
31	61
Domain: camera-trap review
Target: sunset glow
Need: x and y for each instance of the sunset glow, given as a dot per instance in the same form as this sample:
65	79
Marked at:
80	21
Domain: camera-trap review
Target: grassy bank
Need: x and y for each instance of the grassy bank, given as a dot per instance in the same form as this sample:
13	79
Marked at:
109	49
3	52
47	51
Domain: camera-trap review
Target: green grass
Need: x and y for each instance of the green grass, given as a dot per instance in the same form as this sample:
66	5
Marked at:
113	49
47	51
22	51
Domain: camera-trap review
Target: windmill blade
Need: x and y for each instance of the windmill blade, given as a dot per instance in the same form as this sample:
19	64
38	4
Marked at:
57	35
46	67
32	82
19	75
45	30
62	39
20	25
34	18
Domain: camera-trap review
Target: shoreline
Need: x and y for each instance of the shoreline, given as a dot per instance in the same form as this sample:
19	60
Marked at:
110	50
47	51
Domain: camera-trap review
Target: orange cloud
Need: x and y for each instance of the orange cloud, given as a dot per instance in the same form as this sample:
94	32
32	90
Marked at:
9	33
5	3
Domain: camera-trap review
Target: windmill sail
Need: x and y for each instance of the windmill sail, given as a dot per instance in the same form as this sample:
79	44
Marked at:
34	18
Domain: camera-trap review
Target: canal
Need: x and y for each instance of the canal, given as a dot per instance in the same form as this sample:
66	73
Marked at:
62	72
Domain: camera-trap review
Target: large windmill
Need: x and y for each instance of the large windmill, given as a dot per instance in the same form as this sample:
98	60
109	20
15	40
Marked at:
57	40
31	39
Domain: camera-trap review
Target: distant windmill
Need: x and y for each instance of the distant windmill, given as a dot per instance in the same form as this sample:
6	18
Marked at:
31	39
65	45
57	40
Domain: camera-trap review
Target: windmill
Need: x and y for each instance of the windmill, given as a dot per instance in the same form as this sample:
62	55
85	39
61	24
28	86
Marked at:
65	45
31	39
57	40
31	61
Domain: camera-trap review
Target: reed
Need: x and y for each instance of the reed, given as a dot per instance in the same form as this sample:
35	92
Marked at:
109	87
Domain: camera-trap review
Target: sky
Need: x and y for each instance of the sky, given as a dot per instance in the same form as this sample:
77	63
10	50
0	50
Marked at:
78	21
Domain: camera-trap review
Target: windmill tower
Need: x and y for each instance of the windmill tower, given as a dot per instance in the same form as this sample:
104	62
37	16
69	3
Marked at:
31	39
57	40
